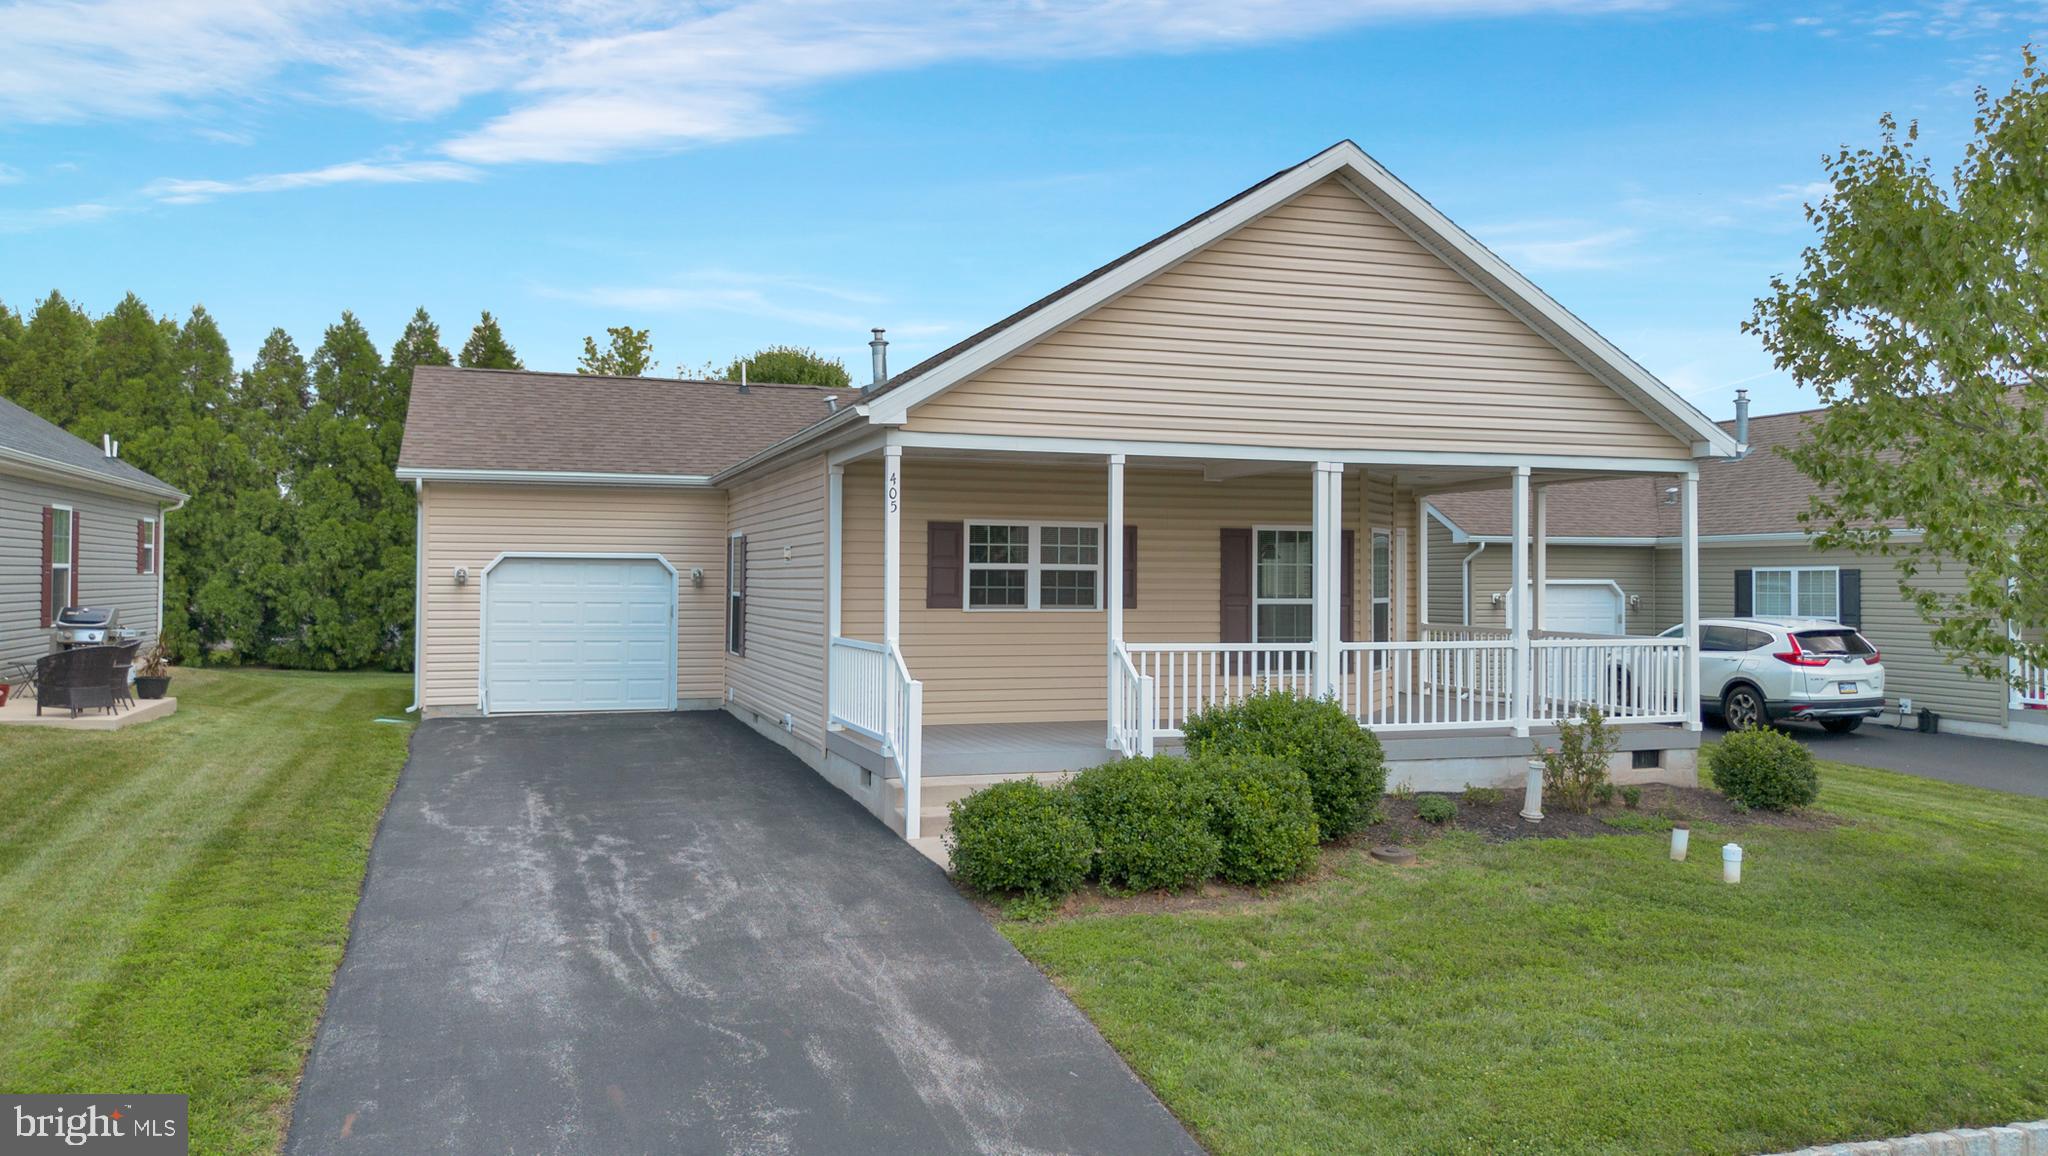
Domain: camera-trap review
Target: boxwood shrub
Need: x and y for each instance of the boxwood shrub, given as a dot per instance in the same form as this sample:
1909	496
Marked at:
1346	769
1764	769
1264	816
1020	837
1151	822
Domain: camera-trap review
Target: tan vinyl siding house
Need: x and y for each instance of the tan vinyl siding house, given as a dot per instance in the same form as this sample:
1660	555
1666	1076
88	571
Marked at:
1237	424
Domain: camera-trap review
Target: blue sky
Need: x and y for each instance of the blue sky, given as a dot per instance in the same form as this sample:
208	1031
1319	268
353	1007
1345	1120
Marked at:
733	174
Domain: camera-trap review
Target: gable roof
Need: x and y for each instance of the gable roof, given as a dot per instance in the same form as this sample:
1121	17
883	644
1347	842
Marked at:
521	421
1349	164
29	441
1763	493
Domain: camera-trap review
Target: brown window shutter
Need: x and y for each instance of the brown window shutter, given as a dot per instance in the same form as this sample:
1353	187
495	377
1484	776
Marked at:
1347	599
141	544
1130	567
1745	594
1236	583
49	533
945	563
1849	598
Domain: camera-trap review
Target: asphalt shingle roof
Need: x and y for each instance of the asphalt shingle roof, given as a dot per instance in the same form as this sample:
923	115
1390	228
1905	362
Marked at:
495	419
22	432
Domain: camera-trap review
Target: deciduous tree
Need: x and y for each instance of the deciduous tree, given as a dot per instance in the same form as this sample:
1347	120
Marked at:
629	352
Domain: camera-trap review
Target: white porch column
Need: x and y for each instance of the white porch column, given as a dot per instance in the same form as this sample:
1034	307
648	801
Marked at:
1539	590
835	536
892	544
1328	546
1421	563
1518	599
1690	517
1113	586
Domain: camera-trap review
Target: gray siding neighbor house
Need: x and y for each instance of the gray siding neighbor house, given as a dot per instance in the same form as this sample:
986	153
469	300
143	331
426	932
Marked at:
1613	567
77	527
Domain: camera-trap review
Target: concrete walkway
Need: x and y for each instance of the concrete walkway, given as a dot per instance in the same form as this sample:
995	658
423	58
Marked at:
661	933
1998	764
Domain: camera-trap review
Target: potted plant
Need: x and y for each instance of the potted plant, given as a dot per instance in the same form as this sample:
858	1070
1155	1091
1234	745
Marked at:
153	677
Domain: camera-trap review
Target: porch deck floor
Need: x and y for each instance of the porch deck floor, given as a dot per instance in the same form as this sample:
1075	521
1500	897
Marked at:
22	712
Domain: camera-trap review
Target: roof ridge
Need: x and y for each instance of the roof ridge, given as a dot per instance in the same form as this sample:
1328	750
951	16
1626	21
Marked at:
643	378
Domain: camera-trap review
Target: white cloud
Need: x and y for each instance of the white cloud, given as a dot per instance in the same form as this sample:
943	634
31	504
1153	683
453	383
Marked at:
791	300
1551	245
29	220
189	192
9	175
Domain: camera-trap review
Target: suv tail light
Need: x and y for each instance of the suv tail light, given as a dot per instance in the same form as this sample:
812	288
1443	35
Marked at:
1798	657
1873	658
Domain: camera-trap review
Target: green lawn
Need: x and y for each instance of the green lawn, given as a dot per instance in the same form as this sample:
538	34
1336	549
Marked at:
175	897
1874	979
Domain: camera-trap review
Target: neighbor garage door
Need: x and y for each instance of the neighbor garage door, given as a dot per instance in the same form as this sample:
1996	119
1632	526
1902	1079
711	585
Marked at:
1584	608
579	634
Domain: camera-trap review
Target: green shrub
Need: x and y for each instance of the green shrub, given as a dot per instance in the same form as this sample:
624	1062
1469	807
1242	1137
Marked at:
1264	816
1631	797
1435	809
1603	794
1020	837
1765	769
1151	822
1575	771
1483	796
1347	771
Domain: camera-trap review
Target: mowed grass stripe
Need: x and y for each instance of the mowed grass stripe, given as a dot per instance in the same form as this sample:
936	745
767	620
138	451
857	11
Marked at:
210	981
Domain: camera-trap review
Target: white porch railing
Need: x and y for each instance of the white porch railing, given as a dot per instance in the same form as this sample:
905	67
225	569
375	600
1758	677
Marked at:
1395	686
1628	679
874	695
1189	676
1131	704
1459	632
2029	686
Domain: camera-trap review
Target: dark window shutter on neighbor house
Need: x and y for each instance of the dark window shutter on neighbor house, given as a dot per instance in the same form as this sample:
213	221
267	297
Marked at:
1745	595
945	561
1849	598
141	544
1130	567
1348	597
49	531
1236	576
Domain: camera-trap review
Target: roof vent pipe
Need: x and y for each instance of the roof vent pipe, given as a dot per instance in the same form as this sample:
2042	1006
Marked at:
832	402
879	347
1742	422
107	444
743	377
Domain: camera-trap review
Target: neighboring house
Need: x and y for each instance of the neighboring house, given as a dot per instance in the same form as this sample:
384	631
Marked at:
78	526
1613	567
1196	470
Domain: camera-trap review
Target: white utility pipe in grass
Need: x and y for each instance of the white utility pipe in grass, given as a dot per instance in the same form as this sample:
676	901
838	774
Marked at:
1731	863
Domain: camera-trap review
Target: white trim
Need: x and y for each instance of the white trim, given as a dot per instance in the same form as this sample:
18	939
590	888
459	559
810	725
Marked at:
1518	580
419	592
88	478
150	535
552	477
1423	221
1422	560
1372	534
1793	590
1689	579
735	595
50	563
483	611
1033	566
1314	561
829	424
1236	451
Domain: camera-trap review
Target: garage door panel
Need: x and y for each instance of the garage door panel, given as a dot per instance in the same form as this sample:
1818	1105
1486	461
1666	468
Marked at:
1583	607
567	634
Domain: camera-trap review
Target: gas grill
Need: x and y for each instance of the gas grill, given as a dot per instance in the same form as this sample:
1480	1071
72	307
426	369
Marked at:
89	626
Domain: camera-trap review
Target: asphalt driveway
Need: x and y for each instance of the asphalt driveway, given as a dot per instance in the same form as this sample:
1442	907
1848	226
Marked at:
661	933
1999	764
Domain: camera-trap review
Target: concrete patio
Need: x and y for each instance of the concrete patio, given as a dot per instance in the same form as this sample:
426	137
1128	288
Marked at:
22	712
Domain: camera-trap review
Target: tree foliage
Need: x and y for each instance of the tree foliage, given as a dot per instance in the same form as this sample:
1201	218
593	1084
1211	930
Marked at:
487	347
629	352
1917	318
790	365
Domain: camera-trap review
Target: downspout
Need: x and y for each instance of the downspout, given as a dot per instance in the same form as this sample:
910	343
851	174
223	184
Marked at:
1465	577
419	583
163	539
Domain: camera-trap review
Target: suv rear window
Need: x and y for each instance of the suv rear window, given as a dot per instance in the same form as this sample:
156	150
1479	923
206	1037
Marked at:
1840	643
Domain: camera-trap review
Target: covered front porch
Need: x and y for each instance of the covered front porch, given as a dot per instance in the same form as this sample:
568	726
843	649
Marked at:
1037	610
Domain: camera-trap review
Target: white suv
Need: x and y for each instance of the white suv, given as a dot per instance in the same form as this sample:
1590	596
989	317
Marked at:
1756	671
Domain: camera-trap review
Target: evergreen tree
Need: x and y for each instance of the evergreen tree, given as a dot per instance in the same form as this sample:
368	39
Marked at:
348	375
487	347
52	362
630	353
12	330
277	387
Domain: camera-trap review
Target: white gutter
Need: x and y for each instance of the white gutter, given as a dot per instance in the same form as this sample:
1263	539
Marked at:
808	433
550	477
419	583
1465	580
93	478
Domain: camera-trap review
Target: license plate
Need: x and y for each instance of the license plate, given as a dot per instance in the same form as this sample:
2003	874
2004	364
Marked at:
1847	687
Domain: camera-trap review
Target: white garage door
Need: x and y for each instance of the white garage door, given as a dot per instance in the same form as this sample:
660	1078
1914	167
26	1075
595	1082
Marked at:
579	634
1586	608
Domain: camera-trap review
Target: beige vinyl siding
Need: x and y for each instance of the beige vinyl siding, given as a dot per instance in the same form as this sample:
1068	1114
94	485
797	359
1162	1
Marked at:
106	560
1446	575
1913	665
1319	324
1046	665
1633	568
783	671
470	525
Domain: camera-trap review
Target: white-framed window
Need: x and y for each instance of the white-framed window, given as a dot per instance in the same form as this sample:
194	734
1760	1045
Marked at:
149	545
1797	592
62	529
1283	584
736	594
1382	586
1034	566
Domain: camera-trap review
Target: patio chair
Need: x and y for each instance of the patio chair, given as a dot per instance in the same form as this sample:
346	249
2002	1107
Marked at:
21	676
120	687
76	679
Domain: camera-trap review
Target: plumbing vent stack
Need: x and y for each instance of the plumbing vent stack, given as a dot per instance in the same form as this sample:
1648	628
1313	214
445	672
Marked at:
879	347
743	377
832	402
1742	421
